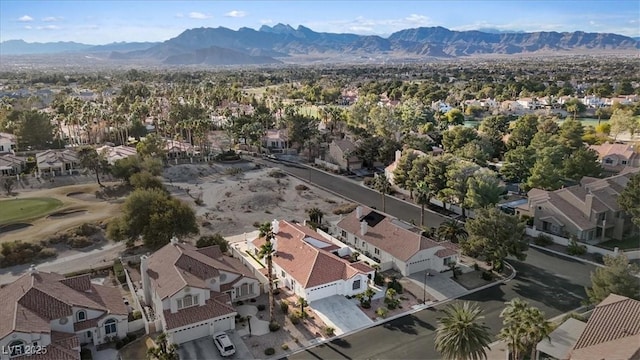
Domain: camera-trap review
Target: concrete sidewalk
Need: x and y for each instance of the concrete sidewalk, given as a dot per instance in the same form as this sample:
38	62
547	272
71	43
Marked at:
498	351
440	285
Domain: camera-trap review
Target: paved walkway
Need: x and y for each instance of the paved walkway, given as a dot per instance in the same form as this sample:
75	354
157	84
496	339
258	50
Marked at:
439	285
258	326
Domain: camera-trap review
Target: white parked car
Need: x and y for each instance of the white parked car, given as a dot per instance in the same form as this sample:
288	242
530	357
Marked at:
224	344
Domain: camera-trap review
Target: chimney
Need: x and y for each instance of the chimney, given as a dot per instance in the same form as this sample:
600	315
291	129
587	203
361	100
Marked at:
588	204
398	155
33	270
359	212
146	283
364	227
275	226
174	240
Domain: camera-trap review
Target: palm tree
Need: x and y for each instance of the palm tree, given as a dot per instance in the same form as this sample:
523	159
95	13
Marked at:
461	334
302	303
163	350
453	231
266	251
315	215
523	327
382	185
422	197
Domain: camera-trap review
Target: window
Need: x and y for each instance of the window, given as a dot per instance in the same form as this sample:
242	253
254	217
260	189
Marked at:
624	162
449	260
89	334
356	285
608	161
376	251
344	234
110	327
81	315
282	273
187	301
16	348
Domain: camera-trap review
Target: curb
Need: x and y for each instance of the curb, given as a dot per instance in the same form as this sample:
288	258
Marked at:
565	255
399	315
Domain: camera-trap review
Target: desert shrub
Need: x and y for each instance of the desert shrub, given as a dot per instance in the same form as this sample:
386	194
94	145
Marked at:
269	351
228	156
261	307
344	209
576	249
285	347
232	171
295	318
395	285
378	279
47	252
284	306
87	229
274	326
276	291
277	174
367	181
78	242
136	315
543	240
302	187
476	267
256	224
18	252
329	331
382	312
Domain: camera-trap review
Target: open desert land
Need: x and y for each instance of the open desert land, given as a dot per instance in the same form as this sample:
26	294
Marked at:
233	204
59	209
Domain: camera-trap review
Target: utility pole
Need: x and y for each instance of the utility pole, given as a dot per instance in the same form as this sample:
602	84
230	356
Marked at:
424	288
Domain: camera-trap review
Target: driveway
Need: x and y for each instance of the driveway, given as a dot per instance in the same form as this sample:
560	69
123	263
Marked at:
340	313
440	285
204	348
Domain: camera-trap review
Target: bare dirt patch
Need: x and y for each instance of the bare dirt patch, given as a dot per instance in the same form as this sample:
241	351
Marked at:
232	204
83	196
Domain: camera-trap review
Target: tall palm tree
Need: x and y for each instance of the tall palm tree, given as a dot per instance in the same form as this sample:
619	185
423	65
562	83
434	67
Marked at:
523	327
422	197
452	230
382	185
315	215
302	302
266	251
461	334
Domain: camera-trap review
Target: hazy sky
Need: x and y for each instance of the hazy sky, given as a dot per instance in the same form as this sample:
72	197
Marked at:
101	22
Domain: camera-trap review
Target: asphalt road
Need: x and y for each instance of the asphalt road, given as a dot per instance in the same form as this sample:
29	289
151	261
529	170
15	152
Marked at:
553	284
358	193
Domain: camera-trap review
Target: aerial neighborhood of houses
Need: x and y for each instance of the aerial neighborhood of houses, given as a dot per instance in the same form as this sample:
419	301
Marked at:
190	217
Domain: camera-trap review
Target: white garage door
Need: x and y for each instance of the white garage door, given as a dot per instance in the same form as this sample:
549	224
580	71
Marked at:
190	333
420	265
322	292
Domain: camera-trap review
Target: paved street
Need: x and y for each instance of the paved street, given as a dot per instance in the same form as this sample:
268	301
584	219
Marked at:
358	193
553	284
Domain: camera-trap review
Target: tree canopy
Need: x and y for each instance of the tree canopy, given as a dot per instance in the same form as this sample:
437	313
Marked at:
629	198
617	276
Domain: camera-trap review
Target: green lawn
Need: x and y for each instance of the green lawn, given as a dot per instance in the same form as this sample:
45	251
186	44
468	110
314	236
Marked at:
17	210
629	243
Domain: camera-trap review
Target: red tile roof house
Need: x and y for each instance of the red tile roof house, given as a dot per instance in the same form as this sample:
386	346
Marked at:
190	290
612	332
59	314
310	266
396	244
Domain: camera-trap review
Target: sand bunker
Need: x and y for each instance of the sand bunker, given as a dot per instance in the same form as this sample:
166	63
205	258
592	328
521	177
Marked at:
14	227
65	214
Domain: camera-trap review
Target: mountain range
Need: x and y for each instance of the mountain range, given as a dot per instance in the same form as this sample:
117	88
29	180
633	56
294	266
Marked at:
283	43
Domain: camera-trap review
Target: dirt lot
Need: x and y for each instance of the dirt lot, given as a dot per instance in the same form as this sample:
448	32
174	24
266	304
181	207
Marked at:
232	204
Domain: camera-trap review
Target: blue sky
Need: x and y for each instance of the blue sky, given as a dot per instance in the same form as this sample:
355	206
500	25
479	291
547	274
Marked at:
101	22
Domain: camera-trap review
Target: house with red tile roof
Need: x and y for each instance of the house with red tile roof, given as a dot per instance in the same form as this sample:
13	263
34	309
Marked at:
611	332
59	314
191	290
589	210
394	243
312	266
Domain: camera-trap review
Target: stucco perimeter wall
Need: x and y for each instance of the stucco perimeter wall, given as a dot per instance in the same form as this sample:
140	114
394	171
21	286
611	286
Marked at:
631	255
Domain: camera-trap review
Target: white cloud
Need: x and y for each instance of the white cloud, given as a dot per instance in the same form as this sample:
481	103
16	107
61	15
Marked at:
25	18
49	27
198	15
52	18
236	14
266	21
362	25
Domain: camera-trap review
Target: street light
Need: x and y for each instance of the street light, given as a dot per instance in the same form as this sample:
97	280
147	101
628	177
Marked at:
424	288
249	321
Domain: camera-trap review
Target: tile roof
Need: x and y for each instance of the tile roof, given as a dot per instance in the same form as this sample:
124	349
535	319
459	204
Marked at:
309	265
345	145
53	157
10	160
613	331
216	306
443	253
608	149
33	300
389	236
175	266
114	153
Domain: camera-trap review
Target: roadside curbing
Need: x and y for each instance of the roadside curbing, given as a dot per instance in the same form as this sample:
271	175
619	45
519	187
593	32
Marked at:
415	309
566	255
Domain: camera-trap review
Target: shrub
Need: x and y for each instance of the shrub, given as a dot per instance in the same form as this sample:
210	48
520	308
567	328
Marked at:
47	252
329	331
487	275
285	347
137	315
79	242
395	285
378	279
87	229
277	174
597	257
295	318
240	302
284	306
382	312
276	291
232	171
302	187
576	249
344	209
261	307
118	271
543	240
476	267
269	351
274	326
